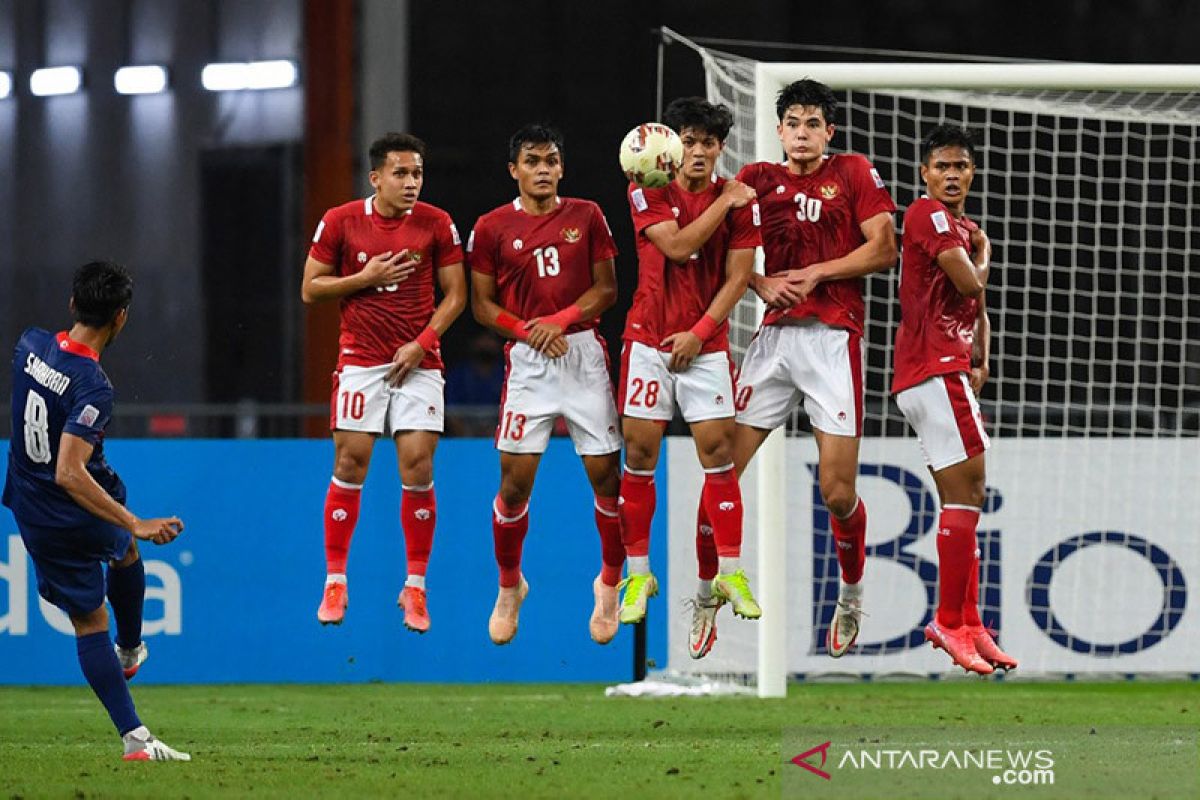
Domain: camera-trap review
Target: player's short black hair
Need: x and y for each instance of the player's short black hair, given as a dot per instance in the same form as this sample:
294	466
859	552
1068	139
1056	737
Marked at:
947	136
394	143
533	133
699	114
807	92
100	291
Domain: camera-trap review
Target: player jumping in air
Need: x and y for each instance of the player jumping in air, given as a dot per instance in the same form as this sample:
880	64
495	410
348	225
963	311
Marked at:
941	359
541	275
69	504
379	258
695	241
826	223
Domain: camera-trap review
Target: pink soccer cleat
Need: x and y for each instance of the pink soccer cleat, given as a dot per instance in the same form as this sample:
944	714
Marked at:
987	648
958	645
416	615
333	604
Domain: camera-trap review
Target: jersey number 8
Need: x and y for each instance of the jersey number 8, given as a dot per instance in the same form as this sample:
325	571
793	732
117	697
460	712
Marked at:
37	429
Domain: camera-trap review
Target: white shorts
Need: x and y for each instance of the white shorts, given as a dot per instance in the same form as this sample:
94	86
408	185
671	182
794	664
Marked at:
578	387
362	401
651	391
813	362
945	414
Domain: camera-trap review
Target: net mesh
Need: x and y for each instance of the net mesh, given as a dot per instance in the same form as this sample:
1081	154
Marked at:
1091	203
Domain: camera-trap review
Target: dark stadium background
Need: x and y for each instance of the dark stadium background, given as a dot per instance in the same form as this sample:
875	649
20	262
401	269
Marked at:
211	198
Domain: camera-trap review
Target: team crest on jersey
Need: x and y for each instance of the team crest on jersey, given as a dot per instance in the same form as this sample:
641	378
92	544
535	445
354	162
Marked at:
571	234
829	191
518	244
780	189
362	257
415	257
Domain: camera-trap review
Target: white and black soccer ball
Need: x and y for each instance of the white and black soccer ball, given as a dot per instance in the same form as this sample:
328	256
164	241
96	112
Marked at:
650	155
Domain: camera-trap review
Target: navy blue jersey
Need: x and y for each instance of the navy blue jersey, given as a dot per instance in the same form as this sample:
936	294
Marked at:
58	386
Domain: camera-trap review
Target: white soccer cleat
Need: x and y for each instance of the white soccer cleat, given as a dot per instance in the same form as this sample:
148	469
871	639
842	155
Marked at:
502	626
132	660
703	634
141	745
604	622
847	615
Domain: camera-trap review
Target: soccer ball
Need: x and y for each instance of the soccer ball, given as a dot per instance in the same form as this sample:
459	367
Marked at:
650	154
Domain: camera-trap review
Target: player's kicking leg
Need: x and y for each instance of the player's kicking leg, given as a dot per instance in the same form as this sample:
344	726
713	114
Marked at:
102	669
418	518
126	582
838	457
352	456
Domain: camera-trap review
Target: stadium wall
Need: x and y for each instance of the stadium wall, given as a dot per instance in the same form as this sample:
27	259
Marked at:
234	599
1090	557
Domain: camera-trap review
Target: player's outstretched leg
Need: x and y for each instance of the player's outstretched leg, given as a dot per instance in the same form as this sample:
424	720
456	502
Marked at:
984	639
604	621
342	501
418	518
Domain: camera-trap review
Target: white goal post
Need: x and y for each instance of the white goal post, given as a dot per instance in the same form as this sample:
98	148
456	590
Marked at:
1099	361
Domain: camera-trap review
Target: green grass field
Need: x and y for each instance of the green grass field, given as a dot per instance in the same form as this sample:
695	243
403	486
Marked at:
561	741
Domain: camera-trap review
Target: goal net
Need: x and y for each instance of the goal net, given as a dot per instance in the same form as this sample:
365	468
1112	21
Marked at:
1088	188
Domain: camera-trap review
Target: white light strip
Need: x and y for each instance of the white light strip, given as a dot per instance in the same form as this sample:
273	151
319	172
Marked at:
55	80
5	84
148	79
252	75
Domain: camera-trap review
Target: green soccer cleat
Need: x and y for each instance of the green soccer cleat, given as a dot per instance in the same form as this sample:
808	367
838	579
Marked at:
735	590
638	590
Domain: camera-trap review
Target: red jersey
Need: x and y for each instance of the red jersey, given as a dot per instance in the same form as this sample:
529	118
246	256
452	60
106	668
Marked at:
541	264
671	297
377	322
937	324
808	219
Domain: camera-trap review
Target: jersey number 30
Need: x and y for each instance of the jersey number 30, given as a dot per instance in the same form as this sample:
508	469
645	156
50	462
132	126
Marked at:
37	429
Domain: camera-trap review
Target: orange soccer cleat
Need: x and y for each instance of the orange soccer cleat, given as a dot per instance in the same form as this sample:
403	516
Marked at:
333	604
416	615
989	651
959	646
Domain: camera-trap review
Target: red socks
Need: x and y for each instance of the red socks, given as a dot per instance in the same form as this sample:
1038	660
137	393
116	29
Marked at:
956	558
636	509
341	515
612	551
509	526
970	606
850	536
418	516
722	502
706	545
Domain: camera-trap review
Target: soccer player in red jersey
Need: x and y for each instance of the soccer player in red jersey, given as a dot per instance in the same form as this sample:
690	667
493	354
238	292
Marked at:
941	360
541	275
695	241
826	223
379	258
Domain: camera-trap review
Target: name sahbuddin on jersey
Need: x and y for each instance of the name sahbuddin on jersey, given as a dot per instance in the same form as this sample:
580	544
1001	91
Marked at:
46	375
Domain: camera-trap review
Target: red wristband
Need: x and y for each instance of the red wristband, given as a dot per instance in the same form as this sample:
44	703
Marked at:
566	317
428	339
513	325
705	328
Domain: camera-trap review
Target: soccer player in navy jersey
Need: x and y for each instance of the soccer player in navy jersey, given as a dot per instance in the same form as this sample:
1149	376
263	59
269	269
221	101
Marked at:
69	504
